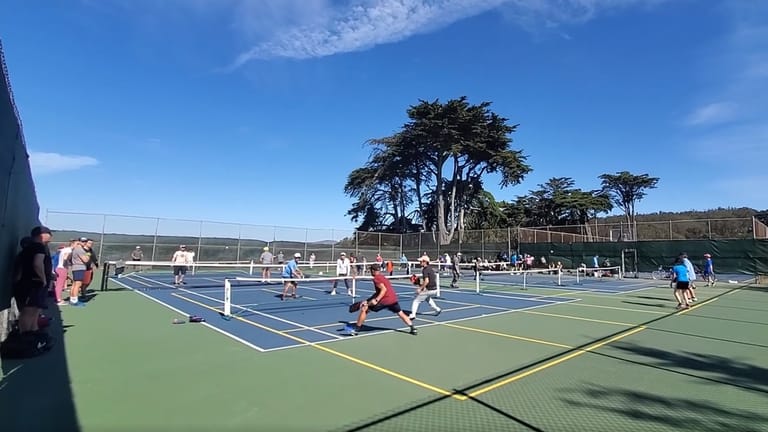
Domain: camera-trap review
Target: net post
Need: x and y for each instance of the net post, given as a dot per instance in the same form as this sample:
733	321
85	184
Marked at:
354	288
477	282
578	269
250	268
559	277
227	297
525	280
438	283
105	275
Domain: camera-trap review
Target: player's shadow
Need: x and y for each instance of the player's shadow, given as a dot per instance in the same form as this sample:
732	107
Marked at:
653	298
655	305
366	328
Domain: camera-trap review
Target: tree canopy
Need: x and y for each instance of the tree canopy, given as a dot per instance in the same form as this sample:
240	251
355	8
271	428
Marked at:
429	176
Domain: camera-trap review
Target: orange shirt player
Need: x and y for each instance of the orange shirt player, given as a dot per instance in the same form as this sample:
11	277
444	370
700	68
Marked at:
384	298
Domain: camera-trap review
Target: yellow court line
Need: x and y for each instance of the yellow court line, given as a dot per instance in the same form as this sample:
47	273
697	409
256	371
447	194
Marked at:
580	318
504	335
554	362
617	308
337	353
697	306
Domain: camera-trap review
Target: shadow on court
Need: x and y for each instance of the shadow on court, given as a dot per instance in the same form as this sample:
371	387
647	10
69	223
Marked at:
35	393
654	410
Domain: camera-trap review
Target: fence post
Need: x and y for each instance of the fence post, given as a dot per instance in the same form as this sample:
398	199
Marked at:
200	243
379	251
357	243
333	245
709	229
509	241
154	240
401	245
306	239
101	239
754	228
46	218
482	243
670	229
239	236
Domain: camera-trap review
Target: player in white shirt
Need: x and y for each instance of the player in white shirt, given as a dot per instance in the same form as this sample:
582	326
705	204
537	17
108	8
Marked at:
343	267
181	261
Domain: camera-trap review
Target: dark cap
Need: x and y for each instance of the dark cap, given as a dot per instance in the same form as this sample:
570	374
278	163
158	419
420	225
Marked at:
83	239
375	267
38	230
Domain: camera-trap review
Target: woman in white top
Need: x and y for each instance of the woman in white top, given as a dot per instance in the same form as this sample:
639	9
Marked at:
62	271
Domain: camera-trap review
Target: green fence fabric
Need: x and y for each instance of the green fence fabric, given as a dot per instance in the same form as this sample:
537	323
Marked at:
744	256
19	209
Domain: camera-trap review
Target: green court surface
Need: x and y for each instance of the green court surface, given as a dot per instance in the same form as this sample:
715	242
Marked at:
625	362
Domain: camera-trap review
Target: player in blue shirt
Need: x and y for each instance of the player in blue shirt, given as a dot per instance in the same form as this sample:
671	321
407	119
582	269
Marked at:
291	271
682	283
709	270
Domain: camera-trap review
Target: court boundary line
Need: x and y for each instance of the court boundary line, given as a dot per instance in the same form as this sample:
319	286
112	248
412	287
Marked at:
430	324
359	361
266	315
562	357
620	308
179	311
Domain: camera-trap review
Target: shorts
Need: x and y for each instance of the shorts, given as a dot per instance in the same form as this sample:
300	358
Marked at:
392	307
30	296
179	270
682	285
78	275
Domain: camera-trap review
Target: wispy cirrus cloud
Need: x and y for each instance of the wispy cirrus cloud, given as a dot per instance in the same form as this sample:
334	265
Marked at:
712	113
348	26
43	163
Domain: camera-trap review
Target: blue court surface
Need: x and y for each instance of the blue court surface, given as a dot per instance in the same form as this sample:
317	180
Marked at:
261	320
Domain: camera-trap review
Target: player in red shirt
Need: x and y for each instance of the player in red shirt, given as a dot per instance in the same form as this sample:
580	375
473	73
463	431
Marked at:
385	297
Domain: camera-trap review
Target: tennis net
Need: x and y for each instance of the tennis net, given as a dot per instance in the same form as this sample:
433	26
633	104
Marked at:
544	278
248	294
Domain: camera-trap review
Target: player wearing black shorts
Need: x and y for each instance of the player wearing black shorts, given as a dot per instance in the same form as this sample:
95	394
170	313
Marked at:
385	297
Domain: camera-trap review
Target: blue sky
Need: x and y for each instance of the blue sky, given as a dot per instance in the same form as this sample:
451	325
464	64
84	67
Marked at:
256	111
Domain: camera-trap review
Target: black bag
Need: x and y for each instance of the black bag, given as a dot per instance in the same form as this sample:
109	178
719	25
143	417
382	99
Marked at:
27	345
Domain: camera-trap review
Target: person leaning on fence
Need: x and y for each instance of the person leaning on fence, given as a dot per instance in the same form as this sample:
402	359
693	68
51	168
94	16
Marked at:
32	275
342	270
427	290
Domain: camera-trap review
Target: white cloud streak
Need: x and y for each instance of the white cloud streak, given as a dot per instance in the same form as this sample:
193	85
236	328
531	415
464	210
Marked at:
718	112
43	163
343	27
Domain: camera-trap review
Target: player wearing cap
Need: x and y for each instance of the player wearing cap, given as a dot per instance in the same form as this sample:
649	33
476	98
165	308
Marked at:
266	259
180	260
385	297
291	271
709	270
342	270
427	289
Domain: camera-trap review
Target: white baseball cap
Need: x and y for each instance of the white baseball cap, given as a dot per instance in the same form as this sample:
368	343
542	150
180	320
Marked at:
297	255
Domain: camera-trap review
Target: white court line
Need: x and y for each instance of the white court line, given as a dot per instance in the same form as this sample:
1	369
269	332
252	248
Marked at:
385	318
214	328
295	324
435	323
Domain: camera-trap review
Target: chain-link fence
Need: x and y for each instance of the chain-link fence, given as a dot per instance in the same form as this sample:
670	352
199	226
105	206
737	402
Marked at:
117	236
